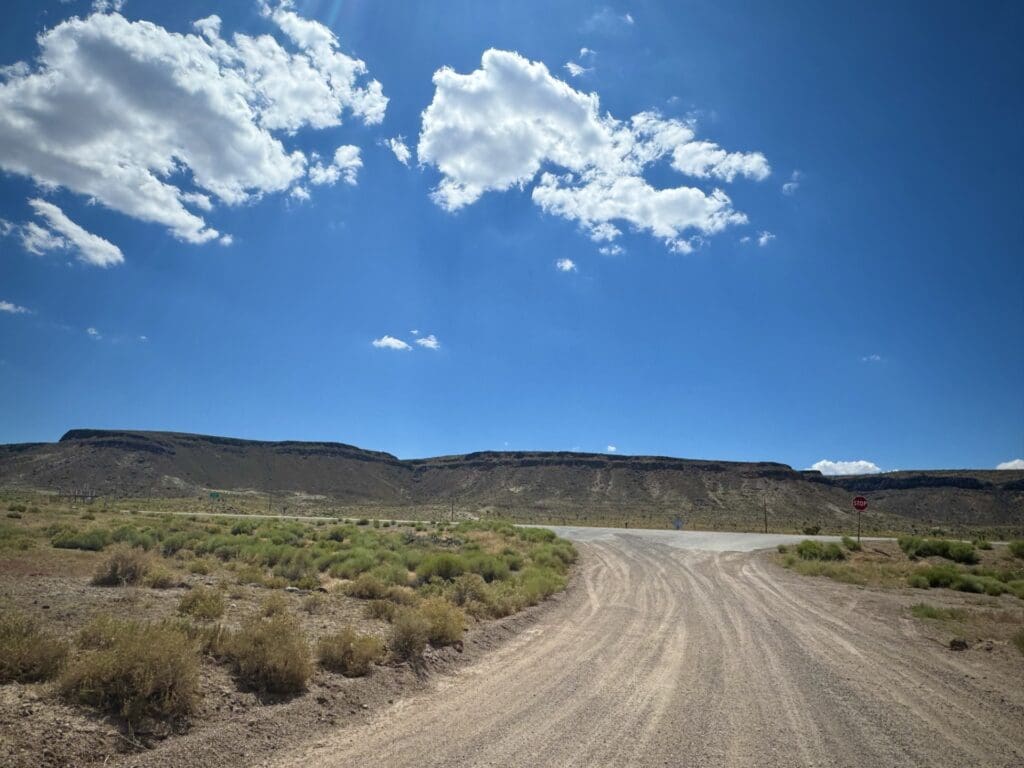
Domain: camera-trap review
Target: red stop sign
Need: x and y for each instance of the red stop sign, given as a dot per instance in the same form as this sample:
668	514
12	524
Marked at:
860	503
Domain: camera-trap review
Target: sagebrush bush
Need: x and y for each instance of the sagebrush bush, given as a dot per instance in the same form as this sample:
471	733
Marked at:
381	609
410	632
202	603
957	551
135	670
273	604
444	565
927	611
446	622
851	544
816	550
367	587
92	540
270	654
28	653
349	652
1016	548
124	567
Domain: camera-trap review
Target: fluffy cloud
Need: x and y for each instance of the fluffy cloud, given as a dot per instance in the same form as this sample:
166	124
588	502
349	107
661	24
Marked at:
429	342
859	467
13	309
565	265
158	125
1015	464
400	148
92	333
611	449
500	126
390	342
345	166
575	70
62	233
764	238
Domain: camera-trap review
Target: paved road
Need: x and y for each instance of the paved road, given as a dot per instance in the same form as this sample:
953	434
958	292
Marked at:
662	655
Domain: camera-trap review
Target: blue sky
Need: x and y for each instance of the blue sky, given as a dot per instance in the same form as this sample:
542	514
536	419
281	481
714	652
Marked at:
854	291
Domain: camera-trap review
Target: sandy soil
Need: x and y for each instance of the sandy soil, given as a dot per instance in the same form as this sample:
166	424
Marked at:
661	655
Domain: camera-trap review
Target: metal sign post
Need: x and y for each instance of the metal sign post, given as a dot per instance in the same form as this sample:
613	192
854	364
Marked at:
860	504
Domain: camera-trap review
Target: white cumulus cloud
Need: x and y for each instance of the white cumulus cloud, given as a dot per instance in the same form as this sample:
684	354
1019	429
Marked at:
791	186
1015	464
390	342
859	467
429	342
764	238
160	125
62	233
498	127
565	265
345	166
611	449
13	309
400	149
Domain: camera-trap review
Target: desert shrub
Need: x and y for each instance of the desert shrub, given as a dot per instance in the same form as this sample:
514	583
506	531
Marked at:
15	507
470	587
1017	548
202	603
410	631
447	622
92	540
1016	587
812	530
200	566
851	544
14	515
363	521
491	568
957	551
125	566
783	549
1018	640
444	565
982	544
926	611
270	654
402	596
28	653
274	604
349	652
381	609
159	577
315	603
367	587
816	550
136	670
918	581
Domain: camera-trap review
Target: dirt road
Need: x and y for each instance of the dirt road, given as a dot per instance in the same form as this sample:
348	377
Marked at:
667	656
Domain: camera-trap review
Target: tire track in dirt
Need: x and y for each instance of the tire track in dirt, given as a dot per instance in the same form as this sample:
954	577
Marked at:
670	656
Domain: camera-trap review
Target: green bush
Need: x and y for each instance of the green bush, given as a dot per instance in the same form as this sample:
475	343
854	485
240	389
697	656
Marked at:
816	550
812	530
349	652
381	609
28	653
410	631
270	654
202	603
782	548
92	540
135	670
1017	548
274	604
926	611
367	587
851	544
918	581
957	551
447	622
444	565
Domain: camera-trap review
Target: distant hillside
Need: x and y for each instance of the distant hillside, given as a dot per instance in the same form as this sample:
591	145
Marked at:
551	485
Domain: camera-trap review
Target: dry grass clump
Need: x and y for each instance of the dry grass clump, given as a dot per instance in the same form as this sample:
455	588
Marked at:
367	587
410	631
28	653
273	604
136	670
202	603
270	654
125	566
349	652
446	621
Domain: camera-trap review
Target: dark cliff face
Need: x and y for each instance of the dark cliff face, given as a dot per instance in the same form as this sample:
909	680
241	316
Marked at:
137	463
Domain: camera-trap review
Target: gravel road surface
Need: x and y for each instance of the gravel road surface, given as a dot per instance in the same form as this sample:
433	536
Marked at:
684	650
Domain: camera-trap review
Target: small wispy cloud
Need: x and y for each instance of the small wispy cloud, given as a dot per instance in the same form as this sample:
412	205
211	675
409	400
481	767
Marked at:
14	309
575	70
791	186
429	342
611	250
390	342
400	149
1014	464
764	238
565	265
606	20
611	448
92	333
874	358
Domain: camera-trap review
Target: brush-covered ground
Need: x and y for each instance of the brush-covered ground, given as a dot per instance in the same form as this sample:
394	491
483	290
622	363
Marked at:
121	632
969	593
